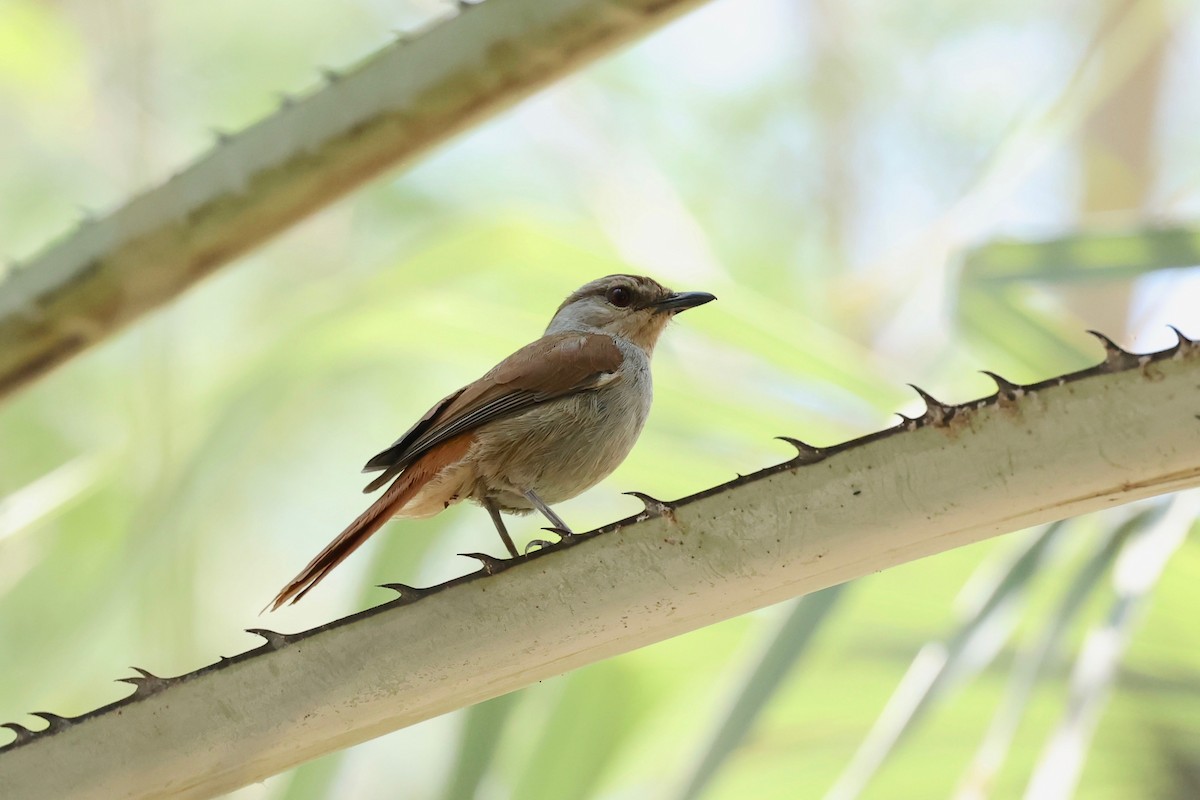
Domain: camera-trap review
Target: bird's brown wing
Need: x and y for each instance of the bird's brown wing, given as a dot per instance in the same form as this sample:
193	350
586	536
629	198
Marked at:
551	367
385	459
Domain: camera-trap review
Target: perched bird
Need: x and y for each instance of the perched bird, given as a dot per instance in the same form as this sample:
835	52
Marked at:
545	424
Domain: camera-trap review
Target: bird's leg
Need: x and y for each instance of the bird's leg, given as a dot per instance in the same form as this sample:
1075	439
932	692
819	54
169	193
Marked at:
555	519
492	509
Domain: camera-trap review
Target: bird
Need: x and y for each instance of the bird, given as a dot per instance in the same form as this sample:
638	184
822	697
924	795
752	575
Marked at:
544	425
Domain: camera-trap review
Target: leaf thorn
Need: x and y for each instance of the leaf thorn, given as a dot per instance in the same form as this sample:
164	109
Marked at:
1115	358
274	639
653	506
405	591
491	564
805	452
936	413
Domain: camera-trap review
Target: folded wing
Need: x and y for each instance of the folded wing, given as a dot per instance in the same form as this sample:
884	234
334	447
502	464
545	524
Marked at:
553	366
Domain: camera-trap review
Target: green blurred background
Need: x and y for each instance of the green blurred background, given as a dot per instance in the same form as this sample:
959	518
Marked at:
834	172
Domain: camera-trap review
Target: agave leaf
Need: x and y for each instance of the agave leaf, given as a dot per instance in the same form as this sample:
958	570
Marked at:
1033	660
940	665
1138	569
786	648
483	726
1083	256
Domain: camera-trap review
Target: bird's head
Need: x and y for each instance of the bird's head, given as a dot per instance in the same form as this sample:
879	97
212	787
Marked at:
632	307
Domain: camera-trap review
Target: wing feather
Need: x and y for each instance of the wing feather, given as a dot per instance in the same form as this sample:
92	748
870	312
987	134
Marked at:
553	366
387	457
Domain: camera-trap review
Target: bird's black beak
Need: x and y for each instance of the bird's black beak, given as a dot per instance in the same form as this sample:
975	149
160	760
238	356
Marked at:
684	300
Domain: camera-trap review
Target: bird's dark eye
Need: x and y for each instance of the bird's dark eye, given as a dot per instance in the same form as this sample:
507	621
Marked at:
619	296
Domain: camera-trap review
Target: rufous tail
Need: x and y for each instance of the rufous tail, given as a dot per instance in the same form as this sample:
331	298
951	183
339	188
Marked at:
348	541
403	489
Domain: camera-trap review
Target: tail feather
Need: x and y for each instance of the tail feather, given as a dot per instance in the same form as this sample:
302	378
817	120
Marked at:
404	489
347	541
